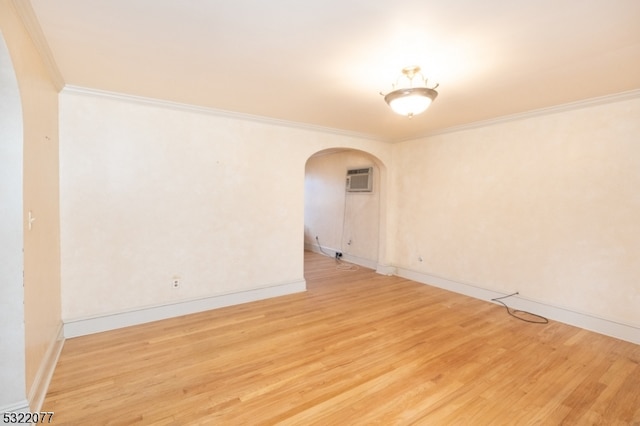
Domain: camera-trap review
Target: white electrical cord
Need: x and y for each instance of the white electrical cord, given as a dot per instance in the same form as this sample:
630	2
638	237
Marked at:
341	265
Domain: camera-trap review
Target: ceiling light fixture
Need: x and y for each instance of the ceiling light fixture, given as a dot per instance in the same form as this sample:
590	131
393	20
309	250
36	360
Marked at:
410	95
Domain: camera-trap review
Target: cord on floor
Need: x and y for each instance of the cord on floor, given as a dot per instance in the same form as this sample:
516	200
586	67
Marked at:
538	319
341	265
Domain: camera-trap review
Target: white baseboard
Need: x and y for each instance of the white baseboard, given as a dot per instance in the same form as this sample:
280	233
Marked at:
607	327
84	326
40	385
330	252
17	407
360	261
386	269
320	250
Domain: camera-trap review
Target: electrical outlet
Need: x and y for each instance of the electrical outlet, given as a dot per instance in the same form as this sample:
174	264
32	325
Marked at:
175	282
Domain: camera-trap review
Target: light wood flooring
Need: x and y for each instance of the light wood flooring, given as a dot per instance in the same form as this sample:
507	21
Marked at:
357	348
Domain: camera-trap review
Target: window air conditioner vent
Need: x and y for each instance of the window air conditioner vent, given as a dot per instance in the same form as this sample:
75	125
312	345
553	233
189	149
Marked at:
360	180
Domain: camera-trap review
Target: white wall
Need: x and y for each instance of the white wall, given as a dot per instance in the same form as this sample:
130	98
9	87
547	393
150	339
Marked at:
548	206
12	356
150	191
348	222
544	205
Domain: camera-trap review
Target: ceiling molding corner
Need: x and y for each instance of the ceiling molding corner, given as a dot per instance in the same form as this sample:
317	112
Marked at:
32	25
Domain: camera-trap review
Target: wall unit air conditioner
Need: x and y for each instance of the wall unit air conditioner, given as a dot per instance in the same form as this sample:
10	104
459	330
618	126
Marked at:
360	180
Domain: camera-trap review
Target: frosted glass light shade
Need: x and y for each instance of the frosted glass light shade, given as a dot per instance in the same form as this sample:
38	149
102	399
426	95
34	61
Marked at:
411	101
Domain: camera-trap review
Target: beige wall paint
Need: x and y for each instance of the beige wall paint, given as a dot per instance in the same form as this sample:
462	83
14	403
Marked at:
12	356
39	100
547	206
149	192
343	221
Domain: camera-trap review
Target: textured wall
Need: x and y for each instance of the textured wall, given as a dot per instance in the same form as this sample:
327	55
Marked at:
151	192
547	206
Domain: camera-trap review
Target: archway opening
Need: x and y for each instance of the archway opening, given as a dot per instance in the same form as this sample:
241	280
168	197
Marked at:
351	223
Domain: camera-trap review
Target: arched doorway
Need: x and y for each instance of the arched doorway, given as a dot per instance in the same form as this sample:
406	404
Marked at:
12	351
338	220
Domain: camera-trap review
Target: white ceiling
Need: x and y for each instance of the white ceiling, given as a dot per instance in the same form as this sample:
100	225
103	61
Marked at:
324	62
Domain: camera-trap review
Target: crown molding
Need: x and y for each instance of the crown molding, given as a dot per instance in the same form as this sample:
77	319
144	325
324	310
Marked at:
616	97
215	112
32	25
571	106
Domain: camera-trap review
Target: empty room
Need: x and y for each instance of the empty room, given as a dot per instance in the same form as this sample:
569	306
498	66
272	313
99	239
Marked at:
409	212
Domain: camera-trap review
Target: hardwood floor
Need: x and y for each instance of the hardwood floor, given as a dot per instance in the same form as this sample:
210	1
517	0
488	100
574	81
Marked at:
357	348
